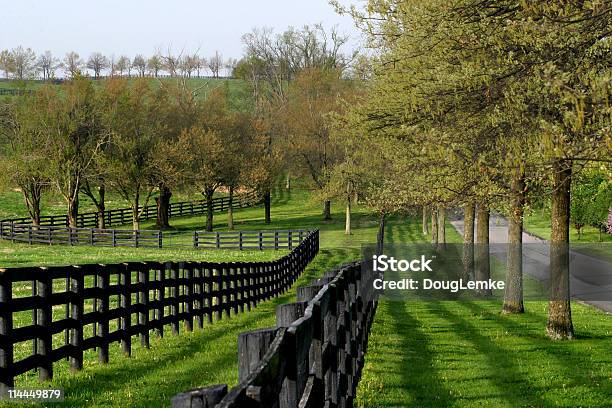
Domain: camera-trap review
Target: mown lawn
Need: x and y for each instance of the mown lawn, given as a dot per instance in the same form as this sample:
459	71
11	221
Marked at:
204	357
465	354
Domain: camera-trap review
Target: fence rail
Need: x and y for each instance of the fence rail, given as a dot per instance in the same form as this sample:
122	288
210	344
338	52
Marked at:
250	240
53	229
122	216
96	305
315	354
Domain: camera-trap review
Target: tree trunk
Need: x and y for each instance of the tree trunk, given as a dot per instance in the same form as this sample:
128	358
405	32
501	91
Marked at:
73	212
425	221
513	295
482	257
441	227
347	226
163	207
327	210
468	241
230	209
267	206
135	219
101	206
434	226
288	182
209	209
559	310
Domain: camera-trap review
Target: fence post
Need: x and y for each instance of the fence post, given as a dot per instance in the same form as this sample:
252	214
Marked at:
136	234
195	239
218	240
114	238
252	346
13	232
290	239
30	234
103	310
261	240
6	328
91	231
276	240
240	240
45	344
189	293
175	294
160	240
76	314
143	314
125	302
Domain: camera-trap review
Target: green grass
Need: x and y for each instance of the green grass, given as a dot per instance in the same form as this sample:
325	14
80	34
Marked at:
426	354
204	357
538	223
290	210
465	354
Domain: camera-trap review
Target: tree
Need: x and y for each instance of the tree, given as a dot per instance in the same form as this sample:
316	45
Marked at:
48	64
24	147
97	63
140	65
131	119
72	123
313	98
6	63
155	65
23	62
215	63
72	64
591	199
123	64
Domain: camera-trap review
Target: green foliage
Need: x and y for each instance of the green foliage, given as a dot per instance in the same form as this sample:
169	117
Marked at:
591	200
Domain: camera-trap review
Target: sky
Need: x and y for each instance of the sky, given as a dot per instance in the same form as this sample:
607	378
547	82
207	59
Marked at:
130	27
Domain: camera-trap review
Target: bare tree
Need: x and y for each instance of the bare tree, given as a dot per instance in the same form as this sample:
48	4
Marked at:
97	62
47	64
201	65
190	64
24	62
215	63
140	64
72	64
154	65
171	62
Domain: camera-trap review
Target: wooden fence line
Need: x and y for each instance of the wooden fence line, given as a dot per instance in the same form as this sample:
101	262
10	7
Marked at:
122	216
237	240
315	354
140	297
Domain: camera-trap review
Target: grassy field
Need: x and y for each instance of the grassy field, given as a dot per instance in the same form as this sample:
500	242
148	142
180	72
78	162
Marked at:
426	354
465	354
176	363
538	223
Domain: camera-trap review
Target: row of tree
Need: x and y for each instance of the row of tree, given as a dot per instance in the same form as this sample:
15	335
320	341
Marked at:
488	105
131	137
23	63
144	138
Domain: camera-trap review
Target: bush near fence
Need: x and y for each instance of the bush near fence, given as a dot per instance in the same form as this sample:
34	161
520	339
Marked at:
123	293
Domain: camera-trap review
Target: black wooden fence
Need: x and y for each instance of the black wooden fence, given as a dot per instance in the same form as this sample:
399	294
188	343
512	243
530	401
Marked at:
250	240
122	216
92	306
314	356
53	230
237	240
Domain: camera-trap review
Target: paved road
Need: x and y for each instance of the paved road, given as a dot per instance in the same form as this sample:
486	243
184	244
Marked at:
590	278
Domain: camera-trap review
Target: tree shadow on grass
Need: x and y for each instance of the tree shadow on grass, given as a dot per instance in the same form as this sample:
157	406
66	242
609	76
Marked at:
502	369
410	361
564	353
